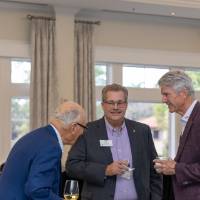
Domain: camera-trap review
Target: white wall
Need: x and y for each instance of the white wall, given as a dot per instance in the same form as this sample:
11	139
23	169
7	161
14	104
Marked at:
65	51
148	32
128	31
125	32
14	25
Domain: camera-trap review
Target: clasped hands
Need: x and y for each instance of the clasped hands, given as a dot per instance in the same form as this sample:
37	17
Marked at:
166	167
117	168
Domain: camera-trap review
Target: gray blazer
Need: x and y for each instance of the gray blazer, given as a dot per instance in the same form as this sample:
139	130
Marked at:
88	161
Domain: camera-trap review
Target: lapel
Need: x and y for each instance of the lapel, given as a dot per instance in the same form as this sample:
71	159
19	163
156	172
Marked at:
184	137
132	132
101	134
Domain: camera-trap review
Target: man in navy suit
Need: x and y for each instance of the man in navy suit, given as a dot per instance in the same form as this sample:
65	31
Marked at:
32	170
114	156
184	171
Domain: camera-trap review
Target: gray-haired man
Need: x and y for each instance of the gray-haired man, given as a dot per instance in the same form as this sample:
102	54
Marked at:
32	170
178	93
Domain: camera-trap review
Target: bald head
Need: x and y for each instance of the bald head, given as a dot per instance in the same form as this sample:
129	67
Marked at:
70	111
68	116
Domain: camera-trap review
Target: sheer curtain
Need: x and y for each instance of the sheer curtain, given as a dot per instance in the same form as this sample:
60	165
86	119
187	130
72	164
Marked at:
43	87
84	84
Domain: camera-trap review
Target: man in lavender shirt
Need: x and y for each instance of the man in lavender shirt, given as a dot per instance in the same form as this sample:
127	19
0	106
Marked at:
114	156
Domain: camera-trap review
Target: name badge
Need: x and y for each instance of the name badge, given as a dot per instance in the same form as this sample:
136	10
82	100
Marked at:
106	143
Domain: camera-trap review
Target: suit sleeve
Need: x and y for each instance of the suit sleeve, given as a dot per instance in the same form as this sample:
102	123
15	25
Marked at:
43	173
79	167
187	173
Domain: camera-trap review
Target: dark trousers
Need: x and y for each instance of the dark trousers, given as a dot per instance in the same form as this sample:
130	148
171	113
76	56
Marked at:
167	188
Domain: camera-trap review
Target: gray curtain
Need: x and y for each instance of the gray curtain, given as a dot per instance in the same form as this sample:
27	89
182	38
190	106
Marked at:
43	87
84	84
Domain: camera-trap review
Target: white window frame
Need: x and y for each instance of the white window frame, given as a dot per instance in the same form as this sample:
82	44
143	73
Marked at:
118	55
9	50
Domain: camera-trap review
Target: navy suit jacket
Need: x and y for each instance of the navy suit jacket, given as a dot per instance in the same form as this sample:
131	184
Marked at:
32	170
186	182
87	160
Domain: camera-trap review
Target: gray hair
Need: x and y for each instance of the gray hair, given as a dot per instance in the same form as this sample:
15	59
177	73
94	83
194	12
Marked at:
178	80
69	116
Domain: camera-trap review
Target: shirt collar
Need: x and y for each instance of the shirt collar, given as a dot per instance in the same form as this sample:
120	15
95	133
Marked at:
58	137
186	116
111	128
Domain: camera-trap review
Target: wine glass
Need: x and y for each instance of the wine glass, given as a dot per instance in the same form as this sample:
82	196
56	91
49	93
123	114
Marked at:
161	157
71	190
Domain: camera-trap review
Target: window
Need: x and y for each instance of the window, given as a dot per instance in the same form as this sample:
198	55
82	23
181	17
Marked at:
19	117
141	76
20	71
145	100
156	116
14	81
195	76
100	74
99	111
20	75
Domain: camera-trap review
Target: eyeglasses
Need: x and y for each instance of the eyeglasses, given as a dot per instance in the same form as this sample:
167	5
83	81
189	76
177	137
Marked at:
81	125
117	103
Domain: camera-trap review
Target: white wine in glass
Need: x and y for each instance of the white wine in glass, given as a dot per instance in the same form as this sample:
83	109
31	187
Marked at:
71	190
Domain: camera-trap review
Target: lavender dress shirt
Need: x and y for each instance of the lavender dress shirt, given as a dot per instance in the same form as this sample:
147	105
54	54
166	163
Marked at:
121	150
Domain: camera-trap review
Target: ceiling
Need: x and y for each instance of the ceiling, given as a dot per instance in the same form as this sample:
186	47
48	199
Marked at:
173	8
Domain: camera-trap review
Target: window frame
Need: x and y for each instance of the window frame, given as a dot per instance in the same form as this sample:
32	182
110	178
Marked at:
176	60
16	50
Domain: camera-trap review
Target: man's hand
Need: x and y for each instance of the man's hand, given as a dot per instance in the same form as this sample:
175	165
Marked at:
116	168
166	167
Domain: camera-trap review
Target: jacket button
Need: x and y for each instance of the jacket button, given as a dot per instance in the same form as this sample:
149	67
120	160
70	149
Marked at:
185	182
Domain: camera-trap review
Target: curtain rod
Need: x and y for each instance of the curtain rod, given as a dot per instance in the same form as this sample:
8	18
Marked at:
30	17
88	22
51	18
